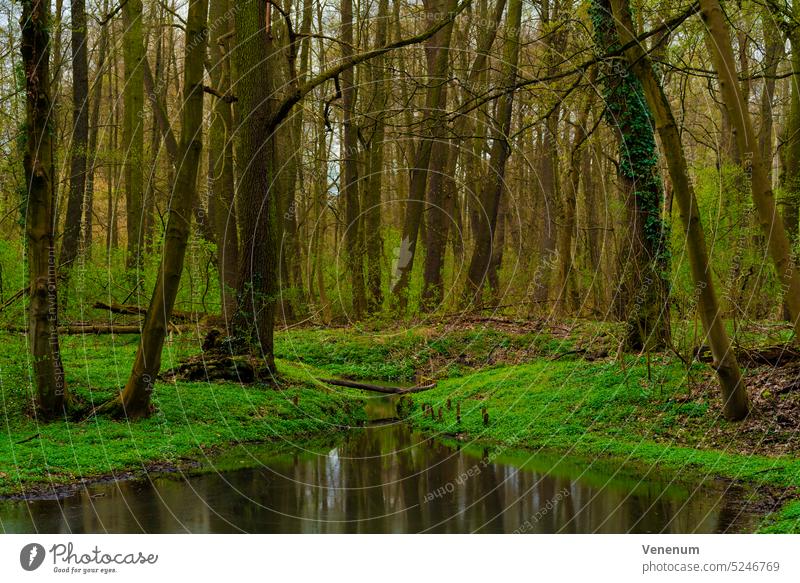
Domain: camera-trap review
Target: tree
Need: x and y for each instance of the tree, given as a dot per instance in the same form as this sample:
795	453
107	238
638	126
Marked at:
51	398
354	251
220	159
734	393
494	182
644	259
771	223
80	135
134	402
432	129
133	127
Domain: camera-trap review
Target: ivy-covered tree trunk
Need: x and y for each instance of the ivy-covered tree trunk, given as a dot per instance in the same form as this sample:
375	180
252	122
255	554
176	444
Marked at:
51	397
643	291
134	402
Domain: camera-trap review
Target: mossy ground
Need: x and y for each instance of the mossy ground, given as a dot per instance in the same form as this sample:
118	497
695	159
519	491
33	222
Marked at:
538	393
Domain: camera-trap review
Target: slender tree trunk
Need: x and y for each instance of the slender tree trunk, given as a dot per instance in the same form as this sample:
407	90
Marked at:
94	132
51	398
492	188
432	128
763	198
134	401
353	247
132	129
372	194
734	393
220	161
80	136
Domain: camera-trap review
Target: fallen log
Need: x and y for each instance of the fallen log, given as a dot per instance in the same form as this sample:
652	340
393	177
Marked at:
99	329
134	310
378	388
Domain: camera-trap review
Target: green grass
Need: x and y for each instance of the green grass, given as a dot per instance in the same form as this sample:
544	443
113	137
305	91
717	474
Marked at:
191	420
596	411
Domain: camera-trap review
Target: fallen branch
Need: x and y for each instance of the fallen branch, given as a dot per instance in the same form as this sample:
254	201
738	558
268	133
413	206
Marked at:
100	329
378	388
134	310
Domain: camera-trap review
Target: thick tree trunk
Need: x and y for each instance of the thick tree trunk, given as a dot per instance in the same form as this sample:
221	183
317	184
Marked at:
80	136
763	198
257	75
134	401
734	393
50	398
492	187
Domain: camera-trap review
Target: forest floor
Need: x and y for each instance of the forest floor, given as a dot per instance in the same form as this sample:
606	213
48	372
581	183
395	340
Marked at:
555	388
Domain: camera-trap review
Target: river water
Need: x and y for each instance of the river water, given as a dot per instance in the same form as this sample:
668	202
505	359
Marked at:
385	478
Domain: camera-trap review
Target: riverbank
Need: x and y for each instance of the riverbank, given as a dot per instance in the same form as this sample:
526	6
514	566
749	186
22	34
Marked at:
192	419
552	391
540	396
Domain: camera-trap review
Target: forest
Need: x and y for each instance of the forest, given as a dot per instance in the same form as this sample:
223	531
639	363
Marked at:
542	225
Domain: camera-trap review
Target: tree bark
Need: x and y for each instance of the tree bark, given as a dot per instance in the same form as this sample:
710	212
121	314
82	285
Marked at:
349	153
132	132
431	126
643	292
51	398
80	136
220	161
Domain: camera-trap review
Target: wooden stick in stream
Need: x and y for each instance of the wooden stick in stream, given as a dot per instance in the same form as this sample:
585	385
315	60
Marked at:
378	388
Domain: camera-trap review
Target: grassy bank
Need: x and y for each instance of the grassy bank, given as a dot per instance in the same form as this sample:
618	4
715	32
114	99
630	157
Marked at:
539	396
552	390
192	419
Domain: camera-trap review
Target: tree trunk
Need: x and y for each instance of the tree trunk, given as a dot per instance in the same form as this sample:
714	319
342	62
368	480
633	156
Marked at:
51	398
80	136
432	129
644	259
373	194
134	402
734	392
220	161
94	132
492	188
349	153
132	132
763	198
258	188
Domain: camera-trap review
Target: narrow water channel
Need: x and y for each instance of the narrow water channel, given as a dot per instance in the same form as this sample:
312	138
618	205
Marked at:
385	478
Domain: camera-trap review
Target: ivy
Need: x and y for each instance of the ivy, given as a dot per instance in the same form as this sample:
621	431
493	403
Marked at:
627	111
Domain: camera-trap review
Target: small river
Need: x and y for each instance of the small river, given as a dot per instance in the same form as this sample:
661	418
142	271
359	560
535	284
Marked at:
385	478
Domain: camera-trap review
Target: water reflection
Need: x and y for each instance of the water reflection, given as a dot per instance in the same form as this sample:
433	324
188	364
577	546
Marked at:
386	479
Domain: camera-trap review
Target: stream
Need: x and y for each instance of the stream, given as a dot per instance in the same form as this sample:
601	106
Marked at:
386	478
